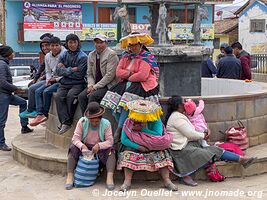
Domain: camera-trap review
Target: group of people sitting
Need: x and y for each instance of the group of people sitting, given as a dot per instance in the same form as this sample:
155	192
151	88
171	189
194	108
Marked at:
129	89
233	62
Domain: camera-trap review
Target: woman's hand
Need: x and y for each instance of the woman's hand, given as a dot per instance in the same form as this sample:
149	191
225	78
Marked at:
143	149
207	134
95	148
84	148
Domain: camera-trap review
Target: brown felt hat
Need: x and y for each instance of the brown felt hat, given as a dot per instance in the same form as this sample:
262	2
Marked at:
94	110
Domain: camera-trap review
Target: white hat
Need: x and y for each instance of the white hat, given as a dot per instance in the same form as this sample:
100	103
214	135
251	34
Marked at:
101	37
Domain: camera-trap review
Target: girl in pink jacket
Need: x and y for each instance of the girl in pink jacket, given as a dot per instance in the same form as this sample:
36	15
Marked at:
194	114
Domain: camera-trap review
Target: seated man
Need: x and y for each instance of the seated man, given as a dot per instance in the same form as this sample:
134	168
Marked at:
72	67
44	93
39	79
6	96
101	72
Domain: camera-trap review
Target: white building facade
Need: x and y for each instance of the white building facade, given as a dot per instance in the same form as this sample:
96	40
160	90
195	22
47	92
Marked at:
252	28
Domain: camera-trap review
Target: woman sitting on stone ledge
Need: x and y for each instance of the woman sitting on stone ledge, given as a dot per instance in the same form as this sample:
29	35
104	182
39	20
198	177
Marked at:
138	73
187	153
92	133
144	123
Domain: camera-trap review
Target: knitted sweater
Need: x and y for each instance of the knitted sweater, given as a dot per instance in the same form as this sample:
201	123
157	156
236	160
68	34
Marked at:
92	136
140	71
183	131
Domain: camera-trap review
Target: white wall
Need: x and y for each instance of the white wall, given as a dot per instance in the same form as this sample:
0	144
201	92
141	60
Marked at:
246	38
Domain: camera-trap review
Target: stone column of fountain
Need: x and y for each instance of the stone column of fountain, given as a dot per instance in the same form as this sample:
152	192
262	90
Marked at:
180	66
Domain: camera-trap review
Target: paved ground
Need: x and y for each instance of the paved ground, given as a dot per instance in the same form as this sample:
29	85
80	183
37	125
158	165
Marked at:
19	182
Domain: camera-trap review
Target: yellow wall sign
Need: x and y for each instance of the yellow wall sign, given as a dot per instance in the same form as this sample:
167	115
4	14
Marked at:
183	31
91	30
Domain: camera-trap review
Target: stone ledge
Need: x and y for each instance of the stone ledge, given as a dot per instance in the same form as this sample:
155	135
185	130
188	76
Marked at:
32	151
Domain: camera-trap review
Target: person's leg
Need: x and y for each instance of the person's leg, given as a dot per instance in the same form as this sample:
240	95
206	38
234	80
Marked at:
71	165
73	157
43	97
122	118
4	102
31	95
83	100
128	175
72	101
97	95
110	166
62	109
229	156
22	103
47	96
245	161
165	174
39	99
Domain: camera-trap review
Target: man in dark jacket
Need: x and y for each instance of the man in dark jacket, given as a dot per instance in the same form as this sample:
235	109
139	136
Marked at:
245	59
229	66
208	69
39	79
6	96
72	67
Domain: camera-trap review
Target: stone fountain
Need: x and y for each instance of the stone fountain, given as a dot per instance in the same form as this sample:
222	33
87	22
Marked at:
180	66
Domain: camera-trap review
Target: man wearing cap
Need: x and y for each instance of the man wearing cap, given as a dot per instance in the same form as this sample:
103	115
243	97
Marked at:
39	78
101	72
222	54
229	66
44	93
6	96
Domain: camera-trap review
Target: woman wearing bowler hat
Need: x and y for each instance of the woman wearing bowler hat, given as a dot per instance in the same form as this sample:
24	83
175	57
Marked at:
92	133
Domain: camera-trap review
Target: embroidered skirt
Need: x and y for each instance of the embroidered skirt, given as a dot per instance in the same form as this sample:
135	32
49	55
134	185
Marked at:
137	161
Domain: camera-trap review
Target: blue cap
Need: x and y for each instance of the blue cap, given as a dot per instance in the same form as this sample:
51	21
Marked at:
224	45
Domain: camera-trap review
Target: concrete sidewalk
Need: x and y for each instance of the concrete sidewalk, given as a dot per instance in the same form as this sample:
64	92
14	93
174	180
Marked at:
19	182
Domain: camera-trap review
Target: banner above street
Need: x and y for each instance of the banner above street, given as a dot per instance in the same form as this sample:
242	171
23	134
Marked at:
53	17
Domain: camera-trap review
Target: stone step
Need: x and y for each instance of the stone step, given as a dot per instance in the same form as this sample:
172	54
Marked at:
32	151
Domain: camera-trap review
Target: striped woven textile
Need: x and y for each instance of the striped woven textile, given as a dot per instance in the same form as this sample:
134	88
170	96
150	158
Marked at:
86	172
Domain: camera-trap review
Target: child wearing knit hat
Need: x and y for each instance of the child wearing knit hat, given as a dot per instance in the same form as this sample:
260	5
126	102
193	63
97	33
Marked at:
195	116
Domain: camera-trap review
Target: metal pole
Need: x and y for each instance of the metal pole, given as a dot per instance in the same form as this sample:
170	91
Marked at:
119	23
2	20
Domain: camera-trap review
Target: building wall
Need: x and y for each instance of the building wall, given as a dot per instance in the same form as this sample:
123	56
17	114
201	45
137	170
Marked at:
15	15
253	40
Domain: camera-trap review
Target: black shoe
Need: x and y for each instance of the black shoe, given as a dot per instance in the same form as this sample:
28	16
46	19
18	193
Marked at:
4	147
26	129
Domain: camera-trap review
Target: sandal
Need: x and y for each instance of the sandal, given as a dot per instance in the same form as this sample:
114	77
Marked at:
249	162
110	186
68	186
125	188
